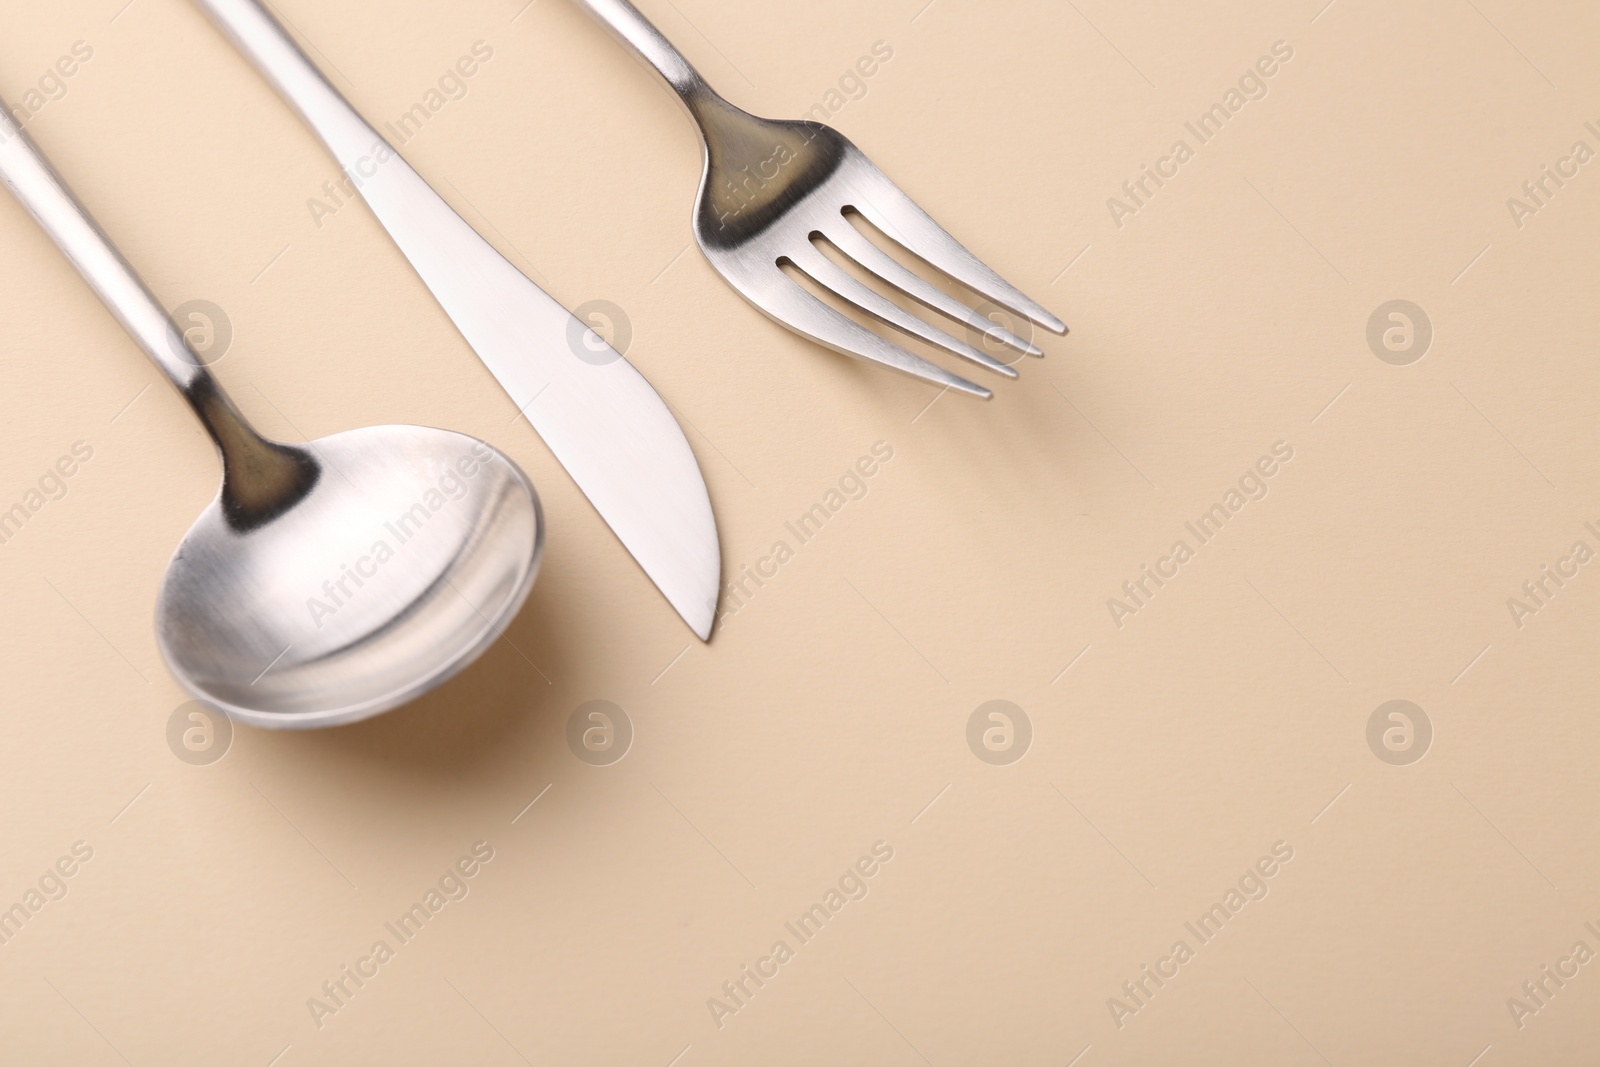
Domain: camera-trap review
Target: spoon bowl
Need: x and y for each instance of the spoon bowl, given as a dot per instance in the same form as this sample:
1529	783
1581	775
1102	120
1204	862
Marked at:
327	582
400	563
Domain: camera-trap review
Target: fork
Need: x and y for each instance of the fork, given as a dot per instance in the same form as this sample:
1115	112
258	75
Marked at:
770	190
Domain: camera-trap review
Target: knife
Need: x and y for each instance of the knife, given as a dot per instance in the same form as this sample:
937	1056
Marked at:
603	421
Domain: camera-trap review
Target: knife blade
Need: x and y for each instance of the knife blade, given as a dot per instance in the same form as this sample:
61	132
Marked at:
597	413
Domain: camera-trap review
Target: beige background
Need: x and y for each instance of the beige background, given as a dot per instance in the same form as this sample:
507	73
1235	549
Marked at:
830	713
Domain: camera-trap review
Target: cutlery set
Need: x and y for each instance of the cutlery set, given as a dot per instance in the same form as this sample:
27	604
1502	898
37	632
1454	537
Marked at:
337	579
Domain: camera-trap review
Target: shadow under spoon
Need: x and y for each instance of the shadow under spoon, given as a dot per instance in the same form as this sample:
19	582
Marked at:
327	582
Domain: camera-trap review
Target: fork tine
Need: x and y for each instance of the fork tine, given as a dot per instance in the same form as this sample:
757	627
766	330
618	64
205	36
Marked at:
898	216
797	309
849	240
826	273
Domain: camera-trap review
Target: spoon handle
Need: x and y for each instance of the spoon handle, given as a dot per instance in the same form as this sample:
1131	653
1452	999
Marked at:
261	479
40	189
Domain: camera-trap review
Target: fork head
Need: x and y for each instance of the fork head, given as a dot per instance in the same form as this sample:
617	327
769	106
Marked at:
774	192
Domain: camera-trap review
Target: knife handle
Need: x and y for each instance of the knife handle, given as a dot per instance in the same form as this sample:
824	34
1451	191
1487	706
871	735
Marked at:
354	143
464	271
470	278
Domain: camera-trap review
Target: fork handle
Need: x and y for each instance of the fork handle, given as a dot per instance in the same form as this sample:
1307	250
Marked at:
640	34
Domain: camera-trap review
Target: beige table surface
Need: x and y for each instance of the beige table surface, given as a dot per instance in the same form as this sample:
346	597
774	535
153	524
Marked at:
1222	728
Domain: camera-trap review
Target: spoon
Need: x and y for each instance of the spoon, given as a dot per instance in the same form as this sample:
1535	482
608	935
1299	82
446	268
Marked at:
327	582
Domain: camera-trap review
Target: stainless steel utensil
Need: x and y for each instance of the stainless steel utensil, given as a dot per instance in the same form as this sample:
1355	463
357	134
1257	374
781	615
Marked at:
770	188
599	416
327	582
